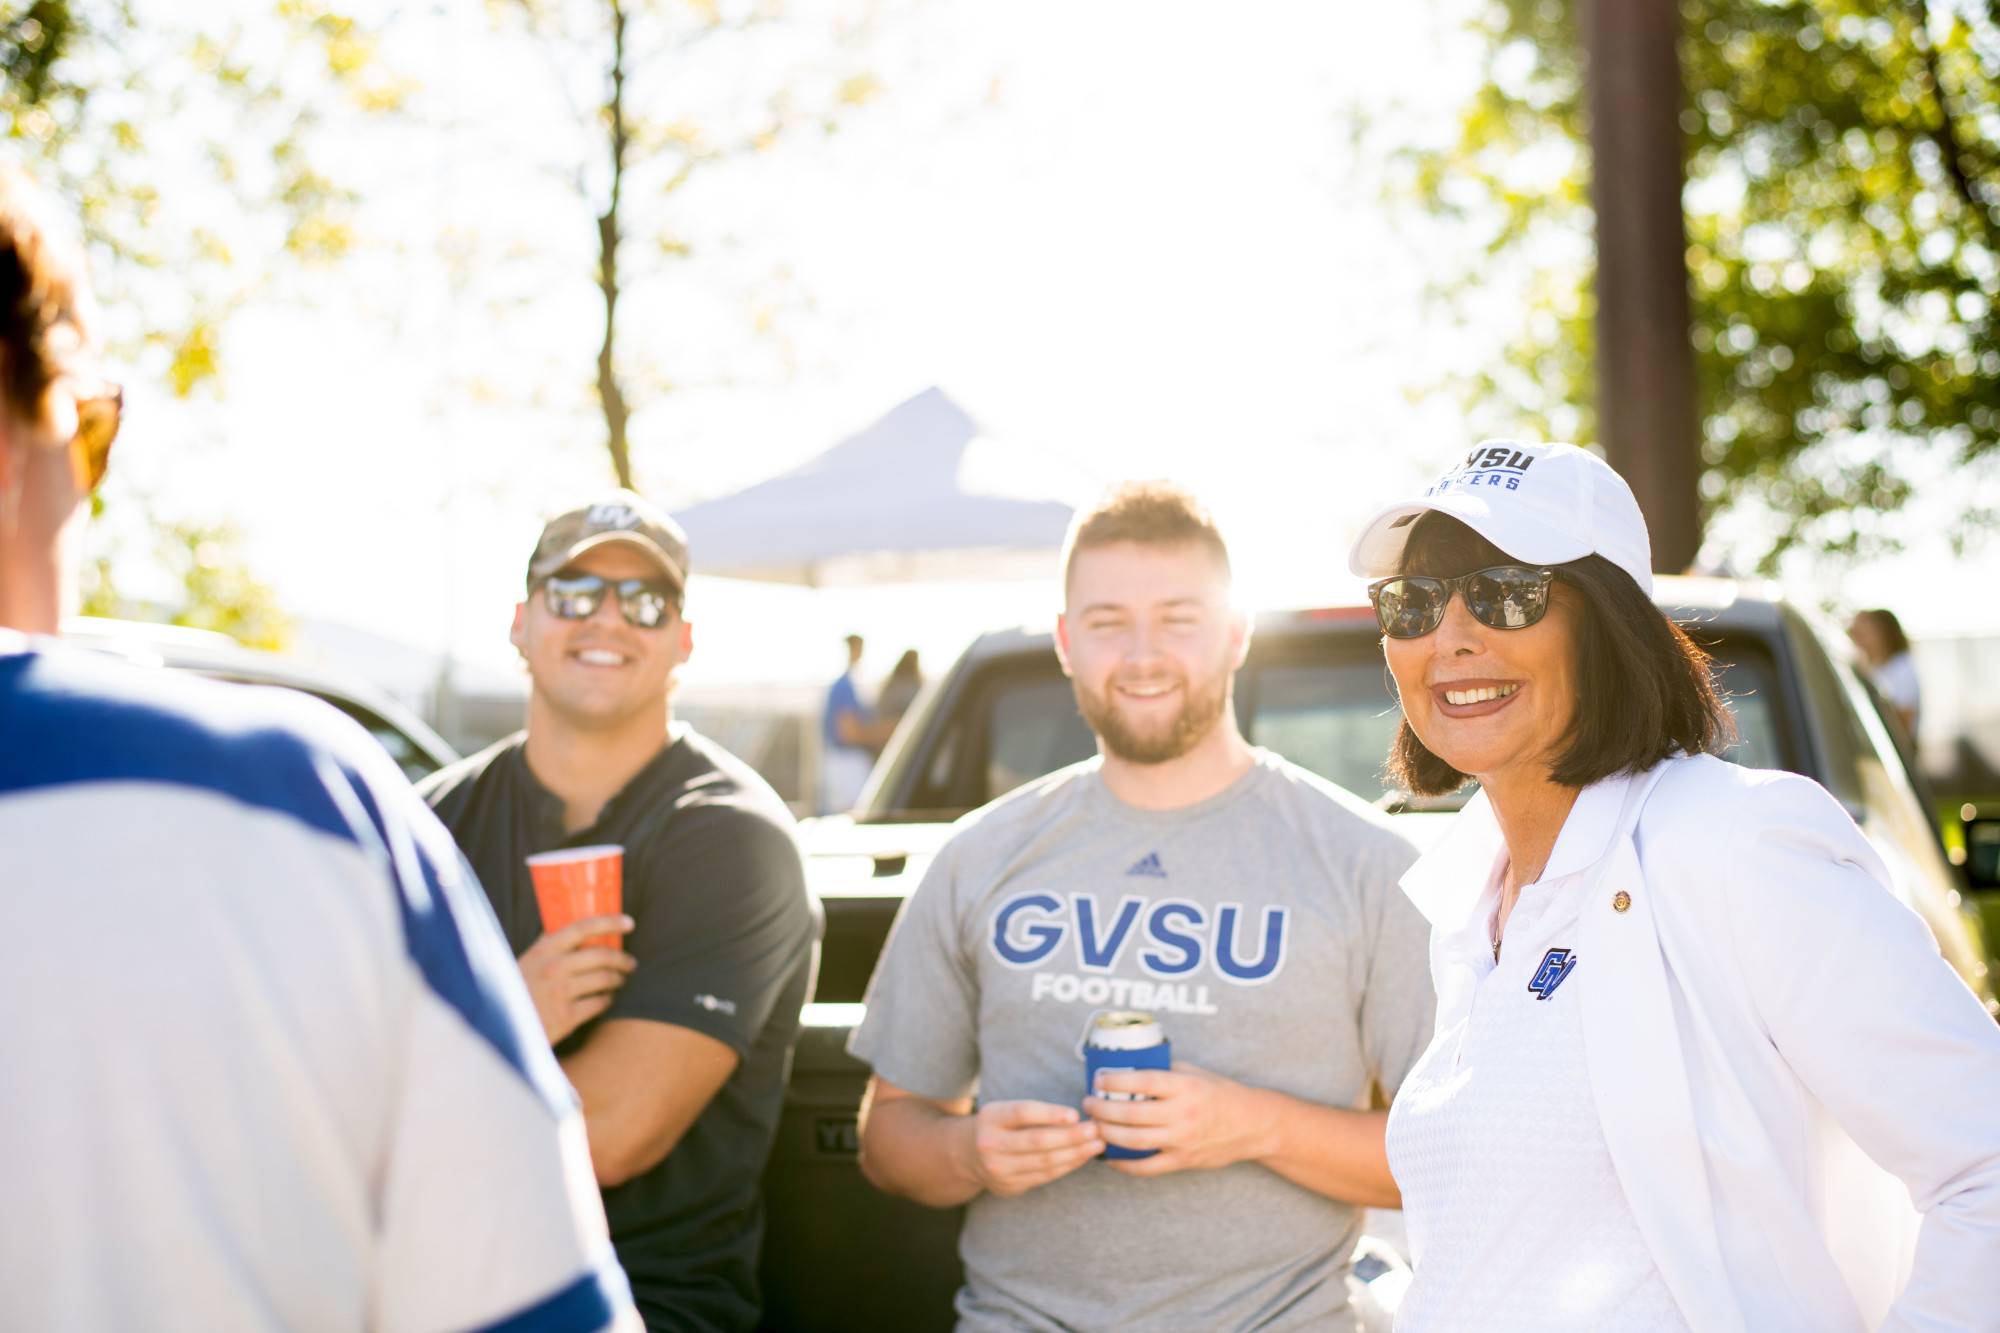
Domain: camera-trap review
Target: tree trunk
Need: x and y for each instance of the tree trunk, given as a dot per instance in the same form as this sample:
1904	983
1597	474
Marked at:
1646	402
610	395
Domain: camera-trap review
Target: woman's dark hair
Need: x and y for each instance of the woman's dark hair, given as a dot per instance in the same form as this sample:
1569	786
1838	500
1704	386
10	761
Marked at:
1645	690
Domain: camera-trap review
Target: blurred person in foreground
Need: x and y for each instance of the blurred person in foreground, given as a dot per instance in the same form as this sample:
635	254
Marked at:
1885	654
263	1043
1696	1068
1247	904
679	1043
849	738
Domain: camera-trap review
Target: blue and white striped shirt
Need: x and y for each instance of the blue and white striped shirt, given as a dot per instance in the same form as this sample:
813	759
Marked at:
265	1060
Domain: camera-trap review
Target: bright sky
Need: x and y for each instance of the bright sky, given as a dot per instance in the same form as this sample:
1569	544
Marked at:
1128	234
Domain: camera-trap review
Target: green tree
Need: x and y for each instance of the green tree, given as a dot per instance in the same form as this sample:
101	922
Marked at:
191	141
1843	217
668	90
216	589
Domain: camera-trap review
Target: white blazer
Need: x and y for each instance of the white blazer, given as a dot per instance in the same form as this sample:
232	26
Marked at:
1801	1100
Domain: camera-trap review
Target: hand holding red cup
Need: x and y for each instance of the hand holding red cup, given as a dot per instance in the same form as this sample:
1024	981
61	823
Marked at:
579	882
572	977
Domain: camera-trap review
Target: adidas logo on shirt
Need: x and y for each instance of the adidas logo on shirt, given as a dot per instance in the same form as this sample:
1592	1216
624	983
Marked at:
1149	867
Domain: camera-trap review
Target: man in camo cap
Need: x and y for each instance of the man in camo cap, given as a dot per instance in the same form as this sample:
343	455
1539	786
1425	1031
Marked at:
678	1042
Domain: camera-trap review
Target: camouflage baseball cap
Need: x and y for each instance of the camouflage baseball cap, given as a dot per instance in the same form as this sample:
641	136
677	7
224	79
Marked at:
619	516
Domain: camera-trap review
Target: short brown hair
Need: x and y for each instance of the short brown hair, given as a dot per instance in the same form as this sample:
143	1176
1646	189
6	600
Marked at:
1644	689
42	291
1150	513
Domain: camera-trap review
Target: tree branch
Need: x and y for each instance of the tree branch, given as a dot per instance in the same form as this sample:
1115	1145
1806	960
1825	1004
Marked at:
1945	134
611	394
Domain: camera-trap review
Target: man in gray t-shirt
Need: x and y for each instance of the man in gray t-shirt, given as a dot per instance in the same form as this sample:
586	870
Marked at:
1248	905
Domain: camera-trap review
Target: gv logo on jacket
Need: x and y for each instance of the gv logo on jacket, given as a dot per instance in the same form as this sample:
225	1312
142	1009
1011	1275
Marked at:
1556	964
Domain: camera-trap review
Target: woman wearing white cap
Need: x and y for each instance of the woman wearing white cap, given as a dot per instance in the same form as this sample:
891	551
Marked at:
1695	1066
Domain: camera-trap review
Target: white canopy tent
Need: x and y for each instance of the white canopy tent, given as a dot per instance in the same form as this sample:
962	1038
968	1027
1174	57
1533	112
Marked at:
906	499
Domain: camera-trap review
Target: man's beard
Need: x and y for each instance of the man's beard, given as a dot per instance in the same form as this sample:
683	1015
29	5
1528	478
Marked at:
1202	703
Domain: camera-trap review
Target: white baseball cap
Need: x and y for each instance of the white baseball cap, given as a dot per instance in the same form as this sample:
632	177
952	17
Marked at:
1543	504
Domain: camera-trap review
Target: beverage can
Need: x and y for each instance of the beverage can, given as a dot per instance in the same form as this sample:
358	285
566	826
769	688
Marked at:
1123	1039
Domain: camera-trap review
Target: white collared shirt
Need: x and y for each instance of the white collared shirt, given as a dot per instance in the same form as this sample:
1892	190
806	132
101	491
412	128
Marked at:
1516	1217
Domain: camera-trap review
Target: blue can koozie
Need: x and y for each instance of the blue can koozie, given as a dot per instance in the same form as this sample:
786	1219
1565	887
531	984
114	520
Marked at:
1123	1039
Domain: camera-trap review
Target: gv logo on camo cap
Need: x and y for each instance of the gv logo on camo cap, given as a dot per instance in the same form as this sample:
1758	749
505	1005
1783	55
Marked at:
622	517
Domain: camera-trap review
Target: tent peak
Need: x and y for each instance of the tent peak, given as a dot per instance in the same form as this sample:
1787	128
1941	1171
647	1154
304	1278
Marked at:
926	432
897	500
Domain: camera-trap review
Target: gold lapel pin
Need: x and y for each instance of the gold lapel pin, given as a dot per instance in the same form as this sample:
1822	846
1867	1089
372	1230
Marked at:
1621	901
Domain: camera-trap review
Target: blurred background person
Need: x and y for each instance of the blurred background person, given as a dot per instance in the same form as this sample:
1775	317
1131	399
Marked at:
264	1044
899	691
1885	653
847	738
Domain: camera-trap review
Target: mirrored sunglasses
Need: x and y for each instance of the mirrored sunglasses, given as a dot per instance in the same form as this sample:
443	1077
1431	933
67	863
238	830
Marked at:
645	603
1410	606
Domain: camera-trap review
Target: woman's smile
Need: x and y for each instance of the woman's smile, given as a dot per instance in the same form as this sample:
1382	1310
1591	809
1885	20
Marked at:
1474	698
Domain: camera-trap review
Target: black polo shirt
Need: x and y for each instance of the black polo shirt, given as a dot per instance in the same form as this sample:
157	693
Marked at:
726	939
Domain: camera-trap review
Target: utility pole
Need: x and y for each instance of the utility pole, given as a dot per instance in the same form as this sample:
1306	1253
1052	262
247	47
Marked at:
1646	405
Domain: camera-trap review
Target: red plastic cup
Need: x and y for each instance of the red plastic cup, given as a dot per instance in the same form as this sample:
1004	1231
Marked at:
579	882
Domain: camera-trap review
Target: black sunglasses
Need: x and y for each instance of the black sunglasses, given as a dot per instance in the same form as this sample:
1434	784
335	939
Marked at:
645	603
1410	606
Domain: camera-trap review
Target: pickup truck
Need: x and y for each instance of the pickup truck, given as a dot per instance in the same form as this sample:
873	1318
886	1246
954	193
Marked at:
840	1255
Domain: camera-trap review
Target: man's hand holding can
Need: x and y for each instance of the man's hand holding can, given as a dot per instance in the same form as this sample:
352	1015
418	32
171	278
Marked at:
1183	1118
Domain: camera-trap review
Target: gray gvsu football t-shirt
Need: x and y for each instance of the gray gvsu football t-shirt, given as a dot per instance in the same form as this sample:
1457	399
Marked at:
1263	927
